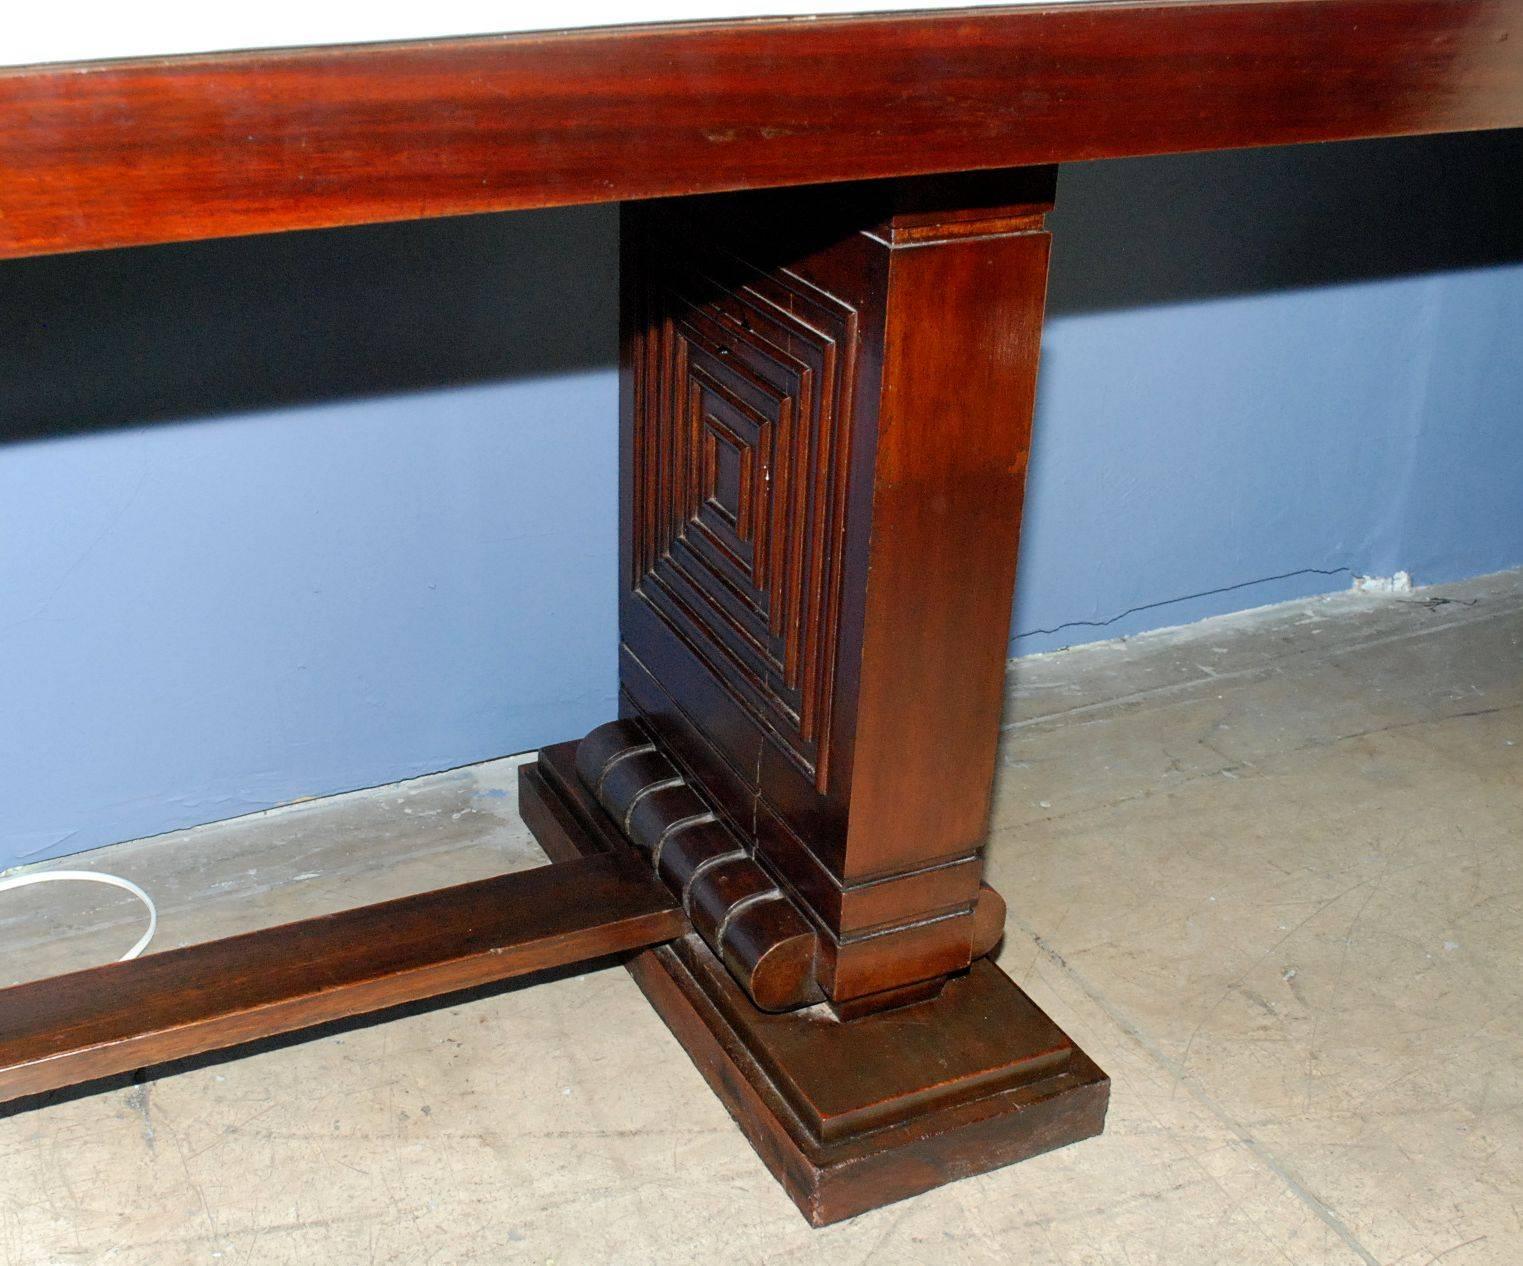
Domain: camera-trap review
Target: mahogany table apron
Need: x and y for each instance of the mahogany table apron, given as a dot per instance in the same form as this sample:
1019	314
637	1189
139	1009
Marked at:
825	408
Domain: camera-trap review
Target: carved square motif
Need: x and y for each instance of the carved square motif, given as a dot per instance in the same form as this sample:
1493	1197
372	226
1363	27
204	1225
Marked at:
727	474
742	429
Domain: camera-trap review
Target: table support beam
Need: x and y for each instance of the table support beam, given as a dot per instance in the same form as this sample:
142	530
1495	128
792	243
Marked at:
103	1021
826	416
826	406
170	149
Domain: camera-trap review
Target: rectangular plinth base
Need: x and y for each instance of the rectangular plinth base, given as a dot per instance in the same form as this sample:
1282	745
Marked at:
853	1115
949	1135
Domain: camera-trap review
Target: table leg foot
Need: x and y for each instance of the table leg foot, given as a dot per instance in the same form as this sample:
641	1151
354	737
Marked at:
1017	1086
850	1116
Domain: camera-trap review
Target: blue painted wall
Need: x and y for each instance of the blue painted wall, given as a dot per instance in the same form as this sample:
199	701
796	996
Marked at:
299	514
287	516
1267	372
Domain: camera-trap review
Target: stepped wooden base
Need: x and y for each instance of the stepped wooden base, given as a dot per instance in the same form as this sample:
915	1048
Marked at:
907	1115
852	1116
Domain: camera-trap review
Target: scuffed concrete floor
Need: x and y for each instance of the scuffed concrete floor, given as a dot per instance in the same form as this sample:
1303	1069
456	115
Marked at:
1267	870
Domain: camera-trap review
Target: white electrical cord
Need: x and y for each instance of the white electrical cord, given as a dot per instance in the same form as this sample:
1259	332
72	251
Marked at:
94	877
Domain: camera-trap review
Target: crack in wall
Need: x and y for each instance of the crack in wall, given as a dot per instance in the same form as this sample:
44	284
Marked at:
1166	602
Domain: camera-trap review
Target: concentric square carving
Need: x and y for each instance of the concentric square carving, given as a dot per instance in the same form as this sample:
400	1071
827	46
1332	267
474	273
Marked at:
741	439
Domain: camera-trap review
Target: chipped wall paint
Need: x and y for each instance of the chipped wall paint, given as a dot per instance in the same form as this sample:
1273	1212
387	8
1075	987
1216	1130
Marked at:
1401	582
288	516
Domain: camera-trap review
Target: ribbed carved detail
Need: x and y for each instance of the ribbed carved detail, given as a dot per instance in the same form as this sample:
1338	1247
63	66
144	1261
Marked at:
733	904
740	445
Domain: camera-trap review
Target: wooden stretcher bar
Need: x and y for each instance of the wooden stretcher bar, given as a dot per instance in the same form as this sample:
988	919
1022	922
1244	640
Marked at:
106	1020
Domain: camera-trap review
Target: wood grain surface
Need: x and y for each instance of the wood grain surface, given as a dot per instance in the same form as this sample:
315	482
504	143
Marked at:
113	1019
122	153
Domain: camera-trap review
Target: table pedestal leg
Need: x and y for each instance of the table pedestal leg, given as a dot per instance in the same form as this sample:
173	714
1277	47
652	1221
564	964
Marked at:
826	409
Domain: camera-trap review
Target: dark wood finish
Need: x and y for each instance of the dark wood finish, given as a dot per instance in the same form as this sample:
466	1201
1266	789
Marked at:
733	903
1032	1090
851	1116
826	399
112	154
124	1016
988	921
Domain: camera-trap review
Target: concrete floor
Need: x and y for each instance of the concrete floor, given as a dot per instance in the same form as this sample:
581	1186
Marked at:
1266	870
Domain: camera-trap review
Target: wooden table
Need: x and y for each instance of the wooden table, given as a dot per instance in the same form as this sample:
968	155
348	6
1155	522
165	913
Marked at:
834	266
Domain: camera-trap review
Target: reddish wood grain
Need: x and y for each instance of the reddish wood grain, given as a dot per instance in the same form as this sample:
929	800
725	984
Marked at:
111	154
835	662
800	1090
68	1029
850	1116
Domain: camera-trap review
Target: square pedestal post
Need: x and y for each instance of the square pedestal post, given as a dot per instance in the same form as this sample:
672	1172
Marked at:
826	399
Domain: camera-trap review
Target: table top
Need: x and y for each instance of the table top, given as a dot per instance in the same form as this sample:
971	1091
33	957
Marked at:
128	152
152	28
